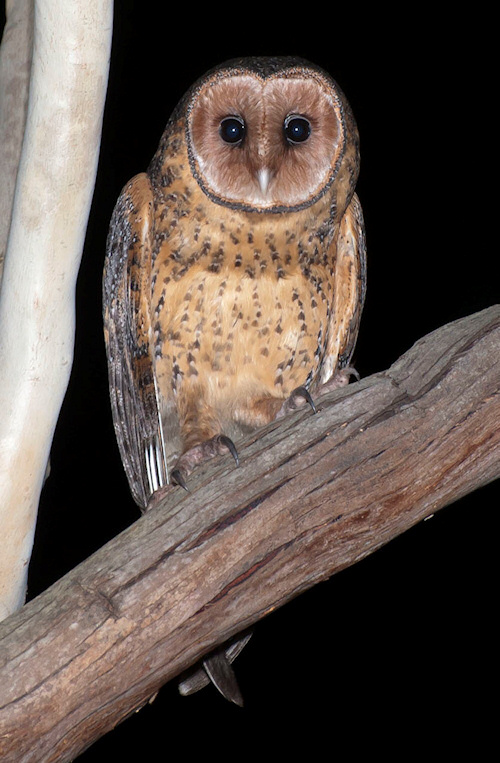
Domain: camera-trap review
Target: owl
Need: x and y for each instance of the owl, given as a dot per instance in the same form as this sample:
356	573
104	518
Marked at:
235	268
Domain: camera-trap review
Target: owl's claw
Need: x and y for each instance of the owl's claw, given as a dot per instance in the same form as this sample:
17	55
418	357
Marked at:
229	444
216	446
297	398
351	371
178	479
304	393
340	378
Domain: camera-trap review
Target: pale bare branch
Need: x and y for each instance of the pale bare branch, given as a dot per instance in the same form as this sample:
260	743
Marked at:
54	188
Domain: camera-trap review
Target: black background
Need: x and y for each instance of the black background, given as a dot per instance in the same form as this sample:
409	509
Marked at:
396	652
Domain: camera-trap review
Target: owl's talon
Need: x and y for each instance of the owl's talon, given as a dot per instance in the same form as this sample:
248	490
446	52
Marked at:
340	378
229	444
178	479
303	392
299	396
351	371
216	446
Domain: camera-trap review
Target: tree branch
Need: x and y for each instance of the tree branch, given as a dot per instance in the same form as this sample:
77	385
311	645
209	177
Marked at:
53	192
15	64
313	495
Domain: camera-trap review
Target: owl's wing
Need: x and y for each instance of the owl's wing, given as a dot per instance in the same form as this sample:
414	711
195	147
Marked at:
349	291
128	333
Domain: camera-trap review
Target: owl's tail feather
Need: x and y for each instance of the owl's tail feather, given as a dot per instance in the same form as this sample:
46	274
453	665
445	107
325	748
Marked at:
216	667
155	463
154	451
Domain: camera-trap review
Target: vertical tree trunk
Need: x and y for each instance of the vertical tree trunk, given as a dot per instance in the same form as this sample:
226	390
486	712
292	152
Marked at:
54	188
15	66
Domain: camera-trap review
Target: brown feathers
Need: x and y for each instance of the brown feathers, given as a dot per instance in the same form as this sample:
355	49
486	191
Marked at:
235	268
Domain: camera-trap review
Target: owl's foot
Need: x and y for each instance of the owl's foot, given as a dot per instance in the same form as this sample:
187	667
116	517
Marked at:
340	378
216	446
296	400
301	395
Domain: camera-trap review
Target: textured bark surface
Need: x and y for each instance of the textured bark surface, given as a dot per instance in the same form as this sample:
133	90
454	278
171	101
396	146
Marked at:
313	495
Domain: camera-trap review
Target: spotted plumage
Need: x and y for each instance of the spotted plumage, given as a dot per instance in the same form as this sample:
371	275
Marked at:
235	268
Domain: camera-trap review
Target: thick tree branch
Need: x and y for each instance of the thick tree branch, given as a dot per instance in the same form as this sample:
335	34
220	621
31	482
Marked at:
313	495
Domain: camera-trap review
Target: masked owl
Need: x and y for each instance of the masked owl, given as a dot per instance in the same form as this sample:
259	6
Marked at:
235	267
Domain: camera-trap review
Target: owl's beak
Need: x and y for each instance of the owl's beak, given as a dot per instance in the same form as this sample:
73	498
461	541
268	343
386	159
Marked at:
264	176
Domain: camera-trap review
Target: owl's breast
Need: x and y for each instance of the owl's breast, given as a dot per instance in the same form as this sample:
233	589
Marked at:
236	335
240	307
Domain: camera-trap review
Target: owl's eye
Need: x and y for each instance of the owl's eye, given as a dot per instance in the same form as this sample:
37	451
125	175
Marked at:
297	129
232	130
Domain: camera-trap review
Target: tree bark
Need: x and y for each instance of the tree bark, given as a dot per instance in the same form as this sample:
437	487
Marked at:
313	495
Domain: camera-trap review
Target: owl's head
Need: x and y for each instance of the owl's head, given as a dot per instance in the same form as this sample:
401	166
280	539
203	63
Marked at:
270	134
